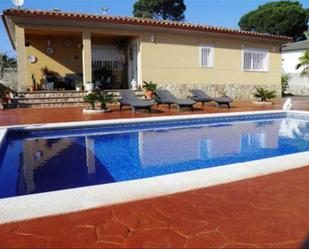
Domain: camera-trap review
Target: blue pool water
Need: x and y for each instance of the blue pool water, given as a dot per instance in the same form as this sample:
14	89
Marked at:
41	161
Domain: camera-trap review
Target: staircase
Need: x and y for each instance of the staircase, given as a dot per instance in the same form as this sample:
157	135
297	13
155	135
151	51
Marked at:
52	99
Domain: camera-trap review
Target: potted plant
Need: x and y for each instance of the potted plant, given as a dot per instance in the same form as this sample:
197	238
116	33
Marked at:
91	98
150	88
79	85
33	86
104	98
89	86
264	95
98	97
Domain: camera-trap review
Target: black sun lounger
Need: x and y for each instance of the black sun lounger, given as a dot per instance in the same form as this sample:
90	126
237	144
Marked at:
200	96
129	98
165	97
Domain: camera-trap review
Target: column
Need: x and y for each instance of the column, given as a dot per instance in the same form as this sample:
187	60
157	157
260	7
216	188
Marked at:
21	58
87	61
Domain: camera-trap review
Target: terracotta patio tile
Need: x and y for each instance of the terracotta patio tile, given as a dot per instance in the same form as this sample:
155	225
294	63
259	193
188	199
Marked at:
112	231
20	240
157	238
7	229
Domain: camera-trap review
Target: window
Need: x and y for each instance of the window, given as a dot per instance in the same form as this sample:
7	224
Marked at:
206	56
255	60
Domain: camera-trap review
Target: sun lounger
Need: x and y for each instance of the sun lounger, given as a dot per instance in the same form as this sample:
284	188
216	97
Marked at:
200	96
129	98
165	97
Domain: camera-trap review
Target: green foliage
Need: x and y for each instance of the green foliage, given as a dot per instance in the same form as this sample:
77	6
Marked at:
91	98
304	64
149	86
264	94
105	98
6	62
279	18
33	79
160	9
102	97
284	83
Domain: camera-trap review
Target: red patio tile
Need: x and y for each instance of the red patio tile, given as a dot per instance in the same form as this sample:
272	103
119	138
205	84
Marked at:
205	218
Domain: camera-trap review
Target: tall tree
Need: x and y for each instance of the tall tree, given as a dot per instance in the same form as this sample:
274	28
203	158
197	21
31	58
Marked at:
278	18
304	64
160	9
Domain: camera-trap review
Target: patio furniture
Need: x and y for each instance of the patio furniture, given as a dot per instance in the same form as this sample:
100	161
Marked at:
129	98
201	96
165	97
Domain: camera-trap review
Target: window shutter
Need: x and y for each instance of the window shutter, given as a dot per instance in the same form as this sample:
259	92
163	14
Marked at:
206	56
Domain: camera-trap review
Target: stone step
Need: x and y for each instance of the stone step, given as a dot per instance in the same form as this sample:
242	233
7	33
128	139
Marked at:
52	94
52	104
43	94
49	99
44	99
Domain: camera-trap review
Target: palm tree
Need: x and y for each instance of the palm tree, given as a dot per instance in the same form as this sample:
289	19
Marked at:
304	64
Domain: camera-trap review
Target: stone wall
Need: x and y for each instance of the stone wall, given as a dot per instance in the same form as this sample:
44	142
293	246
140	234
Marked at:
298	90
236	91
9	78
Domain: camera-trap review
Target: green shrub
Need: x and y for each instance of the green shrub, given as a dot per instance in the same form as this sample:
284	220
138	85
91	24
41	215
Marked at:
149	86
284	83
264	94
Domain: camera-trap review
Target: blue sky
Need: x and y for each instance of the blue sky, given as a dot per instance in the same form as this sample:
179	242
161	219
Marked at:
224	13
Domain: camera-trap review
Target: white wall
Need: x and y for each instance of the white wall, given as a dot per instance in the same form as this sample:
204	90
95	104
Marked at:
297	85
290	60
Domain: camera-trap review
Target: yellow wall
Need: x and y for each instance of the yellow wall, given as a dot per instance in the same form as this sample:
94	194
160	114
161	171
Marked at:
64	61
171	59
174	58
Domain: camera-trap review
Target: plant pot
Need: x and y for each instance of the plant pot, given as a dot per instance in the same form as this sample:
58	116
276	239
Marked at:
149	94
89	87
263	103
90	111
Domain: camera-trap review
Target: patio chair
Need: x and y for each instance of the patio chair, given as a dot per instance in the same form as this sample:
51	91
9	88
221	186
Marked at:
165	97
128	98
200	96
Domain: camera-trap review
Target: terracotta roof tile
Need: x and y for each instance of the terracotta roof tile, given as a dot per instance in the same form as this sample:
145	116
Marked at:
142	21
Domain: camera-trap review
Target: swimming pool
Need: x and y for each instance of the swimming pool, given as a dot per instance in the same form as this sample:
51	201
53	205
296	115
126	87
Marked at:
37	161
166	155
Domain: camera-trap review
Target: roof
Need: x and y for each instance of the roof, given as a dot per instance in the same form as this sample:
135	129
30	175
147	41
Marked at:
301	45
143	22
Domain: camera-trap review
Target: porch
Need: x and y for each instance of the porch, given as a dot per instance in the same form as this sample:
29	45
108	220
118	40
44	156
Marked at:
61	60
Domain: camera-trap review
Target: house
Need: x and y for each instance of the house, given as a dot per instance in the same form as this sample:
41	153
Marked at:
114	51
290	58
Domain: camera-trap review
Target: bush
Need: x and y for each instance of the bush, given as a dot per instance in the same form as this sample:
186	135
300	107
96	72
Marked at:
284	83
264	94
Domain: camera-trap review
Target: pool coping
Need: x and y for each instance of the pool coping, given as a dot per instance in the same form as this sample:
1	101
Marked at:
78	199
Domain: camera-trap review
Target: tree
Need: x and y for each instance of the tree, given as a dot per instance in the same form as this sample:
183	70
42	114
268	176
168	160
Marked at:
304	64
6	62
277	18
160	9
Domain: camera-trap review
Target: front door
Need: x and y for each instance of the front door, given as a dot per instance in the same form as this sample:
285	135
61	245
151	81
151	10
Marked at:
108	65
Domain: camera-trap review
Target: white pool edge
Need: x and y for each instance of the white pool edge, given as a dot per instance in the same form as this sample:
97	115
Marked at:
78	199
